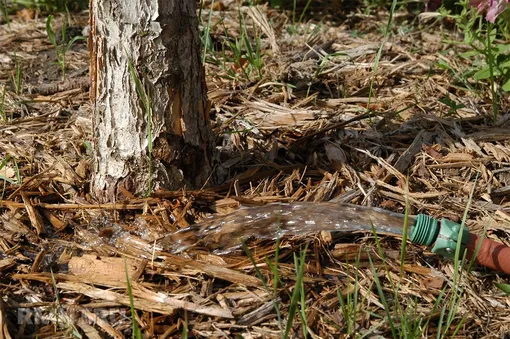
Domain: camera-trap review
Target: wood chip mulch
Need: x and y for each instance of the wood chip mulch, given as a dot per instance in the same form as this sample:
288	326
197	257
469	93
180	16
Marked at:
303	128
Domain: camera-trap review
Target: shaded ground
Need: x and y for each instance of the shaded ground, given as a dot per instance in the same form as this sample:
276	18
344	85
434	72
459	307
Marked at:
295	122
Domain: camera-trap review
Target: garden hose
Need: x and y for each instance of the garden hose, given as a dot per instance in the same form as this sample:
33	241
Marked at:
444	236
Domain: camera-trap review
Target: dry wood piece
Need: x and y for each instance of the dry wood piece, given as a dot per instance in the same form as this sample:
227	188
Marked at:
82	83
99	270
57	224
4	332
145	300
95	319
405	160
33	214
257	13
88	330
255	317
213	270
5	264
116	206
14	230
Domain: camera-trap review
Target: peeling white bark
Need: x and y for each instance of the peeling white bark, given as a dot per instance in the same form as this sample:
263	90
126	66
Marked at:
161	39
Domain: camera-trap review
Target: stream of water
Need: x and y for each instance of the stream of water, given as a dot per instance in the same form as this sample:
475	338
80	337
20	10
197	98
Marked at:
225	233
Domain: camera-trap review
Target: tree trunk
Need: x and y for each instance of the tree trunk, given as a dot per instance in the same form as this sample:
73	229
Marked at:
136	147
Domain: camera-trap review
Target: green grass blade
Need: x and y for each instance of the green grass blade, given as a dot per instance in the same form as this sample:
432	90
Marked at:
137	333
384	302
49	31
300	265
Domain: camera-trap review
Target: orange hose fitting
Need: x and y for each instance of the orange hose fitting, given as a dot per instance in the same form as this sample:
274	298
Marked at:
491	254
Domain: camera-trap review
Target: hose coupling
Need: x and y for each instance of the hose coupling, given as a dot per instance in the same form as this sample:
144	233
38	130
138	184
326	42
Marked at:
443	234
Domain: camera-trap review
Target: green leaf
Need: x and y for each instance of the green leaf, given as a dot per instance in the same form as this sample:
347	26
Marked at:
501	48
485	73
504	287
275	3
4	162
469	54
64	31
443	65
492	35
506	85
136	79
49	31
88	147
73	40
505	64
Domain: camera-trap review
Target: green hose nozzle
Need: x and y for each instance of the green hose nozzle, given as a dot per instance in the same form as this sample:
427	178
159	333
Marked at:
443	234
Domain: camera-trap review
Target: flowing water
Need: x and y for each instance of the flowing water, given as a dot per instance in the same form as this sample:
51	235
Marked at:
225	233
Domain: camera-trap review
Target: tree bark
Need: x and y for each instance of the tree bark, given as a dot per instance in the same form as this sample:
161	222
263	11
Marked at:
161	40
